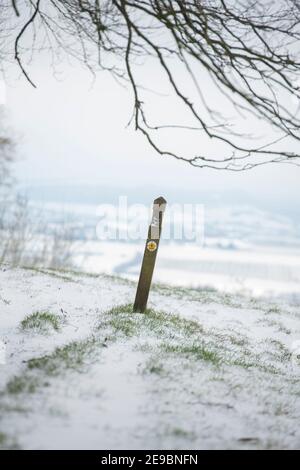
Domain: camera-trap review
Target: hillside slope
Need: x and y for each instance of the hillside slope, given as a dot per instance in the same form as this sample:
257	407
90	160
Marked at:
199	370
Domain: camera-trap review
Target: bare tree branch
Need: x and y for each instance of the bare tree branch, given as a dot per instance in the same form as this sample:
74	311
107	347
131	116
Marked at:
14	5
18	38
248	49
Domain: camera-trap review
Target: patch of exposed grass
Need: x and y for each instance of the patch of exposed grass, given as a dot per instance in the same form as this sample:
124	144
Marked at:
196	351
178	335
273	309
7	443
122	319
181	336
22	384
126	325
156	369
41	321
70	356
182	433
3	438
252	364
182	325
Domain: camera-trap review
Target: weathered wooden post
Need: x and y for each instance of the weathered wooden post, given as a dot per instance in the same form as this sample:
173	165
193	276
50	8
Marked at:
150	253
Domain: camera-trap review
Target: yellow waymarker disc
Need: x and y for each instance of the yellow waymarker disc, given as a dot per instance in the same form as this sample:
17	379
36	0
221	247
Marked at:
151	246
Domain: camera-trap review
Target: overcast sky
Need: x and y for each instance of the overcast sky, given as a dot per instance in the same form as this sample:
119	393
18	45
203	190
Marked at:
71	129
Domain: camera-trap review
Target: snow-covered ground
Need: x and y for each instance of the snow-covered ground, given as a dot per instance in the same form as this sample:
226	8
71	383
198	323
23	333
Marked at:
200	370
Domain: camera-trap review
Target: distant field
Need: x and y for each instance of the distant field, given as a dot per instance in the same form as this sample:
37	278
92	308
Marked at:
245	249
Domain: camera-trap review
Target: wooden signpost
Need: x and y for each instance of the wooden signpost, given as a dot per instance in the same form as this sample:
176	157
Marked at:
150	254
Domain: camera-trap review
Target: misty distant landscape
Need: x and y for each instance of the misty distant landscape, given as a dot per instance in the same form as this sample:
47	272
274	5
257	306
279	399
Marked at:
249	246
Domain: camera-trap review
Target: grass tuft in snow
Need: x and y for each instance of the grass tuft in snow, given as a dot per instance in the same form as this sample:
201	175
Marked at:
177	335
7	443
198	351
21	384
183	337
182	433
70	356
41	321
122	318
273	309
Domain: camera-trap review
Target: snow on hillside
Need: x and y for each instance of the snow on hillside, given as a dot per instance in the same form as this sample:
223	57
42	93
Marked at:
199	370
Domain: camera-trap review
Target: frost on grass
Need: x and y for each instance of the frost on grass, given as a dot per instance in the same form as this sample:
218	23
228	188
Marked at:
73	355
176	336
41	321
21	384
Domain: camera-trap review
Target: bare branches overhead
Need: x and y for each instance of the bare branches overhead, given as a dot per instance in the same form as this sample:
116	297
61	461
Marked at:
249	50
